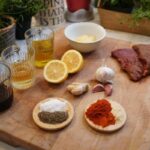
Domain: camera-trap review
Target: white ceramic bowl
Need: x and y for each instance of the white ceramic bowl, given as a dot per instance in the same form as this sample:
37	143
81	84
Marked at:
75	30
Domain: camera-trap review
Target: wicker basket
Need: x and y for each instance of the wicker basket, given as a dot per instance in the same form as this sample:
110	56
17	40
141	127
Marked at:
7	34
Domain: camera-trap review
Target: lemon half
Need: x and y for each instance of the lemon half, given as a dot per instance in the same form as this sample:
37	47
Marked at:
74	61
55	71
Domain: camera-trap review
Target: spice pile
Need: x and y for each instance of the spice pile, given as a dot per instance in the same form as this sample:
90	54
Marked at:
100	113
53	117
53	112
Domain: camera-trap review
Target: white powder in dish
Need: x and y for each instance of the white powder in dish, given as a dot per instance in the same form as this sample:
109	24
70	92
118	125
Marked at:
53	105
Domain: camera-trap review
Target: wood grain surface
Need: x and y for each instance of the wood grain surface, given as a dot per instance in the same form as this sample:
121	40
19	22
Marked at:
17	126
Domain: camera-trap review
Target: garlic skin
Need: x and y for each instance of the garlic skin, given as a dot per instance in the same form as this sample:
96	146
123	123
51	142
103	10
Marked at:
104	74
77	88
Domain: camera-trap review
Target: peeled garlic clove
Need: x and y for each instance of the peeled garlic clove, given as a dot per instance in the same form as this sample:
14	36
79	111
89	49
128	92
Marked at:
72	86
105	74
78	88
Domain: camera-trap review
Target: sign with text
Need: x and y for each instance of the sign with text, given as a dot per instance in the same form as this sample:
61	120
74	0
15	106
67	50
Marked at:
54	14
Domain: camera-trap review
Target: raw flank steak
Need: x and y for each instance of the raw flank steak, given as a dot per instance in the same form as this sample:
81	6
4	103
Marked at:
130	62
143	52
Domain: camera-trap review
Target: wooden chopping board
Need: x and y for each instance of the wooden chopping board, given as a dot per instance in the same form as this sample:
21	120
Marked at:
17	127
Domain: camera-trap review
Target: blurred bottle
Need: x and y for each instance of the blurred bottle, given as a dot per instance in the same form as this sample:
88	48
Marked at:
73	5
79	11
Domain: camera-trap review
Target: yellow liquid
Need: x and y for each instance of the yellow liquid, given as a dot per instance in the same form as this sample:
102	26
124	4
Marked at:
22	75
43	51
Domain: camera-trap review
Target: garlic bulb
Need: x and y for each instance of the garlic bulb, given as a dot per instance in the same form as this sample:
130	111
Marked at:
77	88
105	74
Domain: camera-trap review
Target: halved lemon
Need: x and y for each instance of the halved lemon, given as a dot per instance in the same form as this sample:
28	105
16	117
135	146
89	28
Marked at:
55	71
74	60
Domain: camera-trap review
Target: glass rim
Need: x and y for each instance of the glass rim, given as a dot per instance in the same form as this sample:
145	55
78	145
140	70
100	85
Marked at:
4	50
37	28
14	46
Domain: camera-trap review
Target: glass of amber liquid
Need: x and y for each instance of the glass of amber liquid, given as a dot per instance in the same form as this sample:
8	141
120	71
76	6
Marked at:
21	64
41	39
6	92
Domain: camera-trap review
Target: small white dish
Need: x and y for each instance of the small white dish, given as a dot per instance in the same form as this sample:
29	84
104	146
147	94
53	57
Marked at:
75	30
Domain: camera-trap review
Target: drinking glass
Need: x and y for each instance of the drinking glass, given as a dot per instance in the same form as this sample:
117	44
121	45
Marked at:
6	92
21	64
41	39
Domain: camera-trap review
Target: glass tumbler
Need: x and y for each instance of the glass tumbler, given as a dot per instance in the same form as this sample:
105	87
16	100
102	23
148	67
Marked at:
6	92
21	64
41	39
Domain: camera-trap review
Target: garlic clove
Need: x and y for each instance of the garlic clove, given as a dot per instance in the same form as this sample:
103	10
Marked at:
108	89
77	88
98	88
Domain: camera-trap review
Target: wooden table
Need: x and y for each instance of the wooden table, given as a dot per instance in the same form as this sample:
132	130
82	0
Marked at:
17	127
